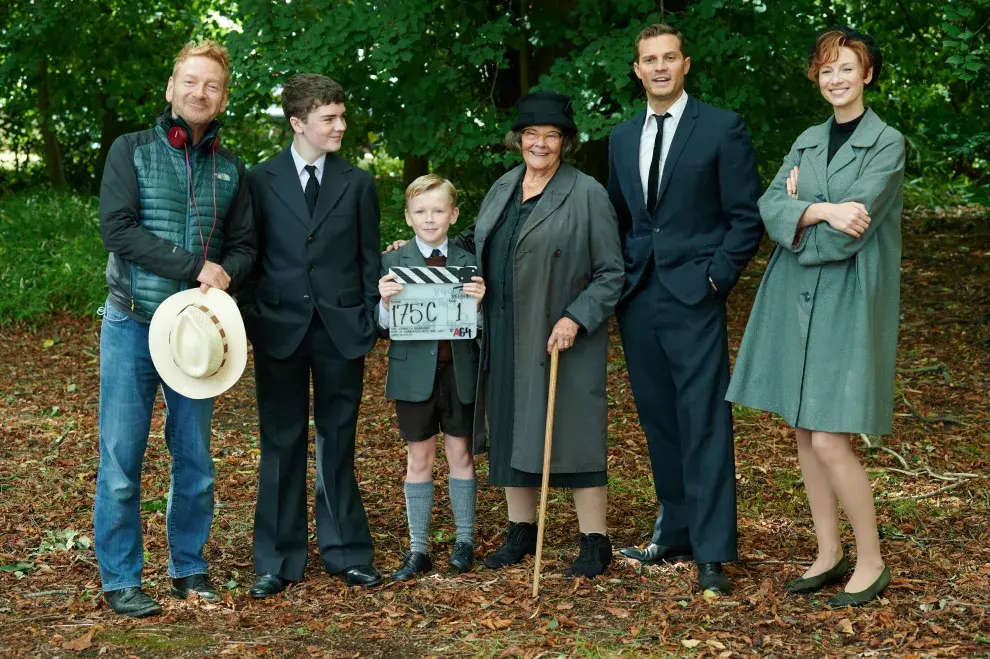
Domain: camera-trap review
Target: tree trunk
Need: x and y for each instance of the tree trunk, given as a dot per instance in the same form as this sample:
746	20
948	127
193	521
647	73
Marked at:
111	128
53	154
414	167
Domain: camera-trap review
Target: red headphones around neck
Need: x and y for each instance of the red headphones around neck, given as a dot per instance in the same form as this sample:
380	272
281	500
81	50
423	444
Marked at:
178	137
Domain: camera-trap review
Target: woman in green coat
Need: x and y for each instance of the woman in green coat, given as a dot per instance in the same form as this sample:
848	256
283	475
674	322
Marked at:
820	345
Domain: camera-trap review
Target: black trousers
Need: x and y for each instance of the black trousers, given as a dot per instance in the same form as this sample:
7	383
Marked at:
678	361
280	520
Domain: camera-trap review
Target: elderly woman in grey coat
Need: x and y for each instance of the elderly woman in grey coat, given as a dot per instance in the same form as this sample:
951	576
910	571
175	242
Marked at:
549	252
820	345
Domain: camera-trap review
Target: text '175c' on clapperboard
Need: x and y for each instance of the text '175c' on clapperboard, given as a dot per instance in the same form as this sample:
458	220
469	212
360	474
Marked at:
432	304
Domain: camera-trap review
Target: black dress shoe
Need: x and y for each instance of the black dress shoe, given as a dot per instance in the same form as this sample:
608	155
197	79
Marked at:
654	553
595	556
361	575
132	602
819	581
520	541
844	599
268	585
462	558
413	563
711	577
197	583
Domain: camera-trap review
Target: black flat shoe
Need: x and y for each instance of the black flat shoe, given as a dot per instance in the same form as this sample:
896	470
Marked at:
819	581
711	577
196	583
268	585
132	602
462	557
844	599
520	541
595	556
413	563
361	575
653	554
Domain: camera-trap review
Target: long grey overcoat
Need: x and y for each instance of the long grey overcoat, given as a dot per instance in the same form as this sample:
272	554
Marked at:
820	345
568	258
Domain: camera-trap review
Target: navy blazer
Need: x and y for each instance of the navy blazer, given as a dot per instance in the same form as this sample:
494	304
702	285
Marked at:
326	264
706	222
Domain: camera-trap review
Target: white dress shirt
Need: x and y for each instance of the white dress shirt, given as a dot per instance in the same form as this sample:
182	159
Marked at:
425	250
301	167
648	138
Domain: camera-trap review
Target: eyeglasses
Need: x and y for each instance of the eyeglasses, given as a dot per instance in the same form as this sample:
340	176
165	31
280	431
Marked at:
532	135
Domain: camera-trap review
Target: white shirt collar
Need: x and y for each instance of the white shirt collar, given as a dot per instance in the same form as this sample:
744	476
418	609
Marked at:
426	250
675	110
301	164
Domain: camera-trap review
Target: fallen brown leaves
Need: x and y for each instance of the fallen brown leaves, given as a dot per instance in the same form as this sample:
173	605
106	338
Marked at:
936	546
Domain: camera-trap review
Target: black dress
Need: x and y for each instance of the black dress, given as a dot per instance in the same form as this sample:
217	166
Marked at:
500	327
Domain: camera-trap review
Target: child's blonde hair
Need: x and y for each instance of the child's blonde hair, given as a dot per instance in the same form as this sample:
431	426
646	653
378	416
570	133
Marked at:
429	182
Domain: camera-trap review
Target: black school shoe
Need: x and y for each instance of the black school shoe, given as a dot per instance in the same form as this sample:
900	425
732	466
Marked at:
594	558
413	563
462	557
520	541
132	602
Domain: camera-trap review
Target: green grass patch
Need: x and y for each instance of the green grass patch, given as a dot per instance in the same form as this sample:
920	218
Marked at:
158	641
51	256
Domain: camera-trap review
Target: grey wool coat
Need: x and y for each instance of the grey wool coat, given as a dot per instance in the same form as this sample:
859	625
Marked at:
568	258
820	345
412	365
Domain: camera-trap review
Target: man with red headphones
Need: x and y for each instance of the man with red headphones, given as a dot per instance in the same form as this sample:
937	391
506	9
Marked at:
175	212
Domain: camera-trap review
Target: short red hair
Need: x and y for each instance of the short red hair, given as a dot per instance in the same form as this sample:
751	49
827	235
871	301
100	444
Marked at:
208	49
827	51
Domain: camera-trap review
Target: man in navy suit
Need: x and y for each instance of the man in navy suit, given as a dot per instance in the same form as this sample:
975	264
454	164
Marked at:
310	313
684	183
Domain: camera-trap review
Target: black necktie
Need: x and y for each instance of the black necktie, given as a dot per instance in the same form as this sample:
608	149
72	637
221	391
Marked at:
312	190
653	182
435	253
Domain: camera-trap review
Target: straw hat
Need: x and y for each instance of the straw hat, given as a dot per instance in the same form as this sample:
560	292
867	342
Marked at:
197	342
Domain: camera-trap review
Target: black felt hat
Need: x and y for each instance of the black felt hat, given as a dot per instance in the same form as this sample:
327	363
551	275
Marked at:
545	108
876	57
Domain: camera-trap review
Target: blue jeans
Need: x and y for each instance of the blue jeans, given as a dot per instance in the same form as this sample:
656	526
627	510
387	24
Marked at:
128	387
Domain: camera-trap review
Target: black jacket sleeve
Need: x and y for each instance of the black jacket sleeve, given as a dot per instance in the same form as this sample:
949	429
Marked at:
237	255
120	225
370	257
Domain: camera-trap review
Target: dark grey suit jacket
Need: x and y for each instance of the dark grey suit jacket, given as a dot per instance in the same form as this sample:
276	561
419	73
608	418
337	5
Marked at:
326	264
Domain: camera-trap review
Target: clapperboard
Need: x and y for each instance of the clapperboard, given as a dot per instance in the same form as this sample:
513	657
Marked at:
433	304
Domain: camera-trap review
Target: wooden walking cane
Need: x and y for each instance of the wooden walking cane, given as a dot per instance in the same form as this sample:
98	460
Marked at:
544	488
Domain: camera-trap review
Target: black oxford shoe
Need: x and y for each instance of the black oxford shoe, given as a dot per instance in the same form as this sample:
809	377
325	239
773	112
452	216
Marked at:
653	554
361	575
413	563
462	558
197	583
132	602
711	577
594	558
520	542
268	585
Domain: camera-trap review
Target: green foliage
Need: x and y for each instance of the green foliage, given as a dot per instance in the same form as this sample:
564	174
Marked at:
51	257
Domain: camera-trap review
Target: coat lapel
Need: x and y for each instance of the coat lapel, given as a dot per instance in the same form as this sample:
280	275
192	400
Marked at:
631	151
285	184
410	256
554	194
864	136
332	187
491	211
815	142
681	136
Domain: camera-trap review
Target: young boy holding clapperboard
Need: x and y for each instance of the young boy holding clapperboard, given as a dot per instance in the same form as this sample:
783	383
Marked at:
433	382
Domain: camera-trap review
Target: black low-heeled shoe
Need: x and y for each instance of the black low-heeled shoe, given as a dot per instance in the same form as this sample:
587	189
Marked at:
813	584
844	599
